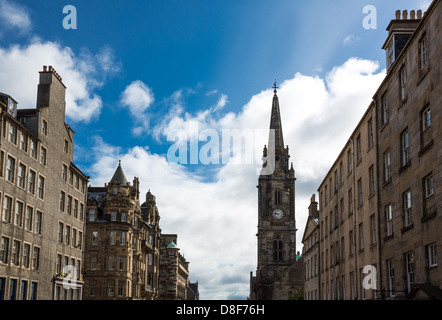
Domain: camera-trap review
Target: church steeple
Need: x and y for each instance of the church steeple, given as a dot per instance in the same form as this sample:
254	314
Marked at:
276	215
275	154
275	122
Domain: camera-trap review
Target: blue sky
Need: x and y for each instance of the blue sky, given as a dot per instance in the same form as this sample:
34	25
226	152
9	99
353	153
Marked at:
138	70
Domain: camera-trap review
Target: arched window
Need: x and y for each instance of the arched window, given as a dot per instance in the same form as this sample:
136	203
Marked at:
277	196
277	250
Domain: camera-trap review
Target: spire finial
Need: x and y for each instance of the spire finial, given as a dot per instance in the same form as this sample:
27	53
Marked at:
119	162
275	87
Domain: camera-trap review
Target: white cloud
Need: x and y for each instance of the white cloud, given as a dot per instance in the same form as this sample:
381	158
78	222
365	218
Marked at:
423	4
221	102
212	92
82	74
216	221
349	39
14	16
138	97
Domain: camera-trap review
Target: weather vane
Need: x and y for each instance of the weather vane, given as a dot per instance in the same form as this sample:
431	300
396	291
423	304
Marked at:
275	87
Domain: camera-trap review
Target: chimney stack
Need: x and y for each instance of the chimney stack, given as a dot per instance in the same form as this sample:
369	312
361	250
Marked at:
404	15
419	14
313	207
51	91
54	72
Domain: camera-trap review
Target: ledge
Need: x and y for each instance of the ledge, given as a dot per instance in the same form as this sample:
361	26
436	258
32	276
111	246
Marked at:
428	216
383	125
386	182
402	102
391	236
422	73
404	229
426	148
405	166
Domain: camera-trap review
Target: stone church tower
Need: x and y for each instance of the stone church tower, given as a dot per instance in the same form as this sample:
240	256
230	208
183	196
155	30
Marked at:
278	276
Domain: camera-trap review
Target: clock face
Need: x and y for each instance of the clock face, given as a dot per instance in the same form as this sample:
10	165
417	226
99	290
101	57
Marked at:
278	214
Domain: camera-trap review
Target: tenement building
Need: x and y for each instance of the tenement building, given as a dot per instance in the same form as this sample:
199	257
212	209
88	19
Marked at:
380	229
42	198
408	104
348	240
126	256
311	252
279	274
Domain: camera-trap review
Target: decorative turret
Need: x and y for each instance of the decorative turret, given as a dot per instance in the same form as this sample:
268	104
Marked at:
150	198
119	177
136	188
172	245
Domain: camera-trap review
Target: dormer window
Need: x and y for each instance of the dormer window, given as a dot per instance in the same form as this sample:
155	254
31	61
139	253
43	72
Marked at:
115	191
395	46
390	54
44	127
12	108
400	30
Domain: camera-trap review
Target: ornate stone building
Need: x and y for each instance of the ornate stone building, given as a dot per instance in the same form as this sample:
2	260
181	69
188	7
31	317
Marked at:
174	270
278	276
126	256
42	198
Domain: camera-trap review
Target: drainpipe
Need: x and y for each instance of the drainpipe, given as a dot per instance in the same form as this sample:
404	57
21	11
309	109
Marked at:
354	218
379	284
319	247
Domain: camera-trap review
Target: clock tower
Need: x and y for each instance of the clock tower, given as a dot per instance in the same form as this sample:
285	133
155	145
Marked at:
276	213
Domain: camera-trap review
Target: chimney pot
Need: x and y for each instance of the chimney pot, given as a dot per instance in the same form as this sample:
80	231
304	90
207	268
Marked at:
45	68
405	15
50	68
419	14
398	14
412	14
